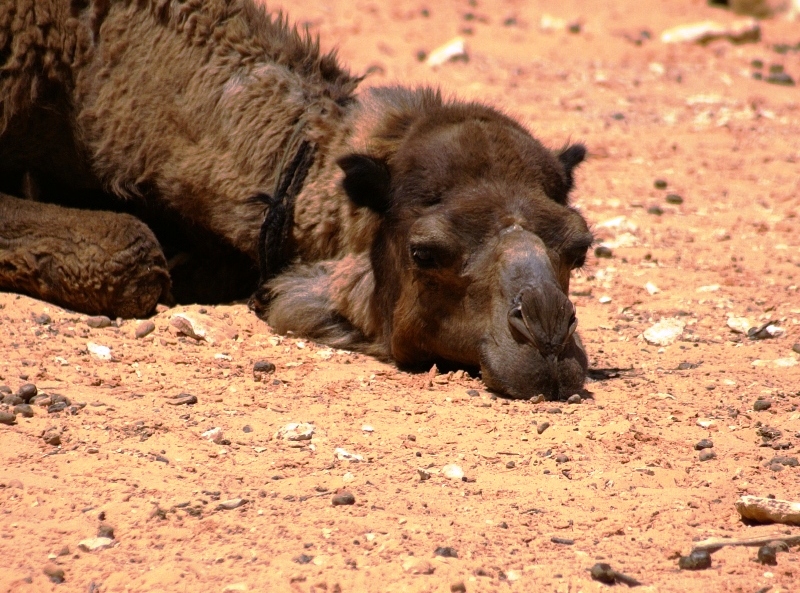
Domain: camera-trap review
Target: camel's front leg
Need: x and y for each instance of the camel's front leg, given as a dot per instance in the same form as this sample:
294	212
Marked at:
89	261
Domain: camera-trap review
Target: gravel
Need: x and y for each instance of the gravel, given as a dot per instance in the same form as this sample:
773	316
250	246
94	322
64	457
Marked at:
144	329
697	560
445	552
704	444
707	455
762	404
767	555
343	498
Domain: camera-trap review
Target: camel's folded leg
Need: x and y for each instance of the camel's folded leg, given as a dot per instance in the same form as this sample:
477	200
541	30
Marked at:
89	261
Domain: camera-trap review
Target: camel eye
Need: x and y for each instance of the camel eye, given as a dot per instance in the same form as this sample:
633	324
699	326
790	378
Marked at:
423	257
579	262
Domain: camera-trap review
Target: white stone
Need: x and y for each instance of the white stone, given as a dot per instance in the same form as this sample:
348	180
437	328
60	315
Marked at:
706	31
296	431
215	435
664	332
453	472
94	544
739	325
652	288
455	49
99	351
708	288
344	455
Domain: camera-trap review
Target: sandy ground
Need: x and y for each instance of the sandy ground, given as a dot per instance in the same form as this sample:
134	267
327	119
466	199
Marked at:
615	479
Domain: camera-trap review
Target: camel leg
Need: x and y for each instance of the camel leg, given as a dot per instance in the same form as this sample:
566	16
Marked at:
94	262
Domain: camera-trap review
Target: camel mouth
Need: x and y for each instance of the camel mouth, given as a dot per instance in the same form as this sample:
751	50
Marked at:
554	378
535	355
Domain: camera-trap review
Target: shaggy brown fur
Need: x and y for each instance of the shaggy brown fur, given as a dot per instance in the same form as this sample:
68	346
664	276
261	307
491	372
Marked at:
424	230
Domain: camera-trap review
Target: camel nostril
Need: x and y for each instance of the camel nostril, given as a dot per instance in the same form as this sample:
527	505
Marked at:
519	328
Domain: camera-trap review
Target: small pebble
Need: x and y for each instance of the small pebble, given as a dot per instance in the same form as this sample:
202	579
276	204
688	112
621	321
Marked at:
674	199
12	400
458	587
182	399
659	184
27	392
52	437
704	444
511	465
574	399
303	559
475	393
233	503
452	471
707	455
601	571
796	348
247	428
554	411
445	552
145	328
43	319
602	251
780	78
756	63
54	573
261	369
7	418
655	210
105	530
542	427
5	389
762	404
564	541
784	460
776	467
296	431
562	458
95	543
418	566
57	407
697	560
98	321
343	498
767	555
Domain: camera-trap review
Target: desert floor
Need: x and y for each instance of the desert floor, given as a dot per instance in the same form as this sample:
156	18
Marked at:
614	479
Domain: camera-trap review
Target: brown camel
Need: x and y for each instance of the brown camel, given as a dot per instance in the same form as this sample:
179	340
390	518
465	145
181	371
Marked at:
388	221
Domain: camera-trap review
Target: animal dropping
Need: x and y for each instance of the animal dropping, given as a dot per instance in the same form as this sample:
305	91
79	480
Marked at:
387	220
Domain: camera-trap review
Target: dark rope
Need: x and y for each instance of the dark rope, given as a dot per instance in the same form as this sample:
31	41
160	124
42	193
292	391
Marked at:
274	240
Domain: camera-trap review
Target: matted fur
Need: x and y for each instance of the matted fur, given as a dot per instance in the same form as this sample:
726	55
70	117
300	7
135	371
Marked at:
426	229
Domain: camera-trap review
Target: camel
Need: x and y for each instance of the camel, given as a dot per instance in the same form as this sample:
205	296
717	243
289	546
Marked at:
206	150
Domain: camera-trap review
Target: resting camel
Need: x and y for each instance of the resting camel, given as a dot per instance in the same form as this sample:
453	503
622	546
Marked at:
204	150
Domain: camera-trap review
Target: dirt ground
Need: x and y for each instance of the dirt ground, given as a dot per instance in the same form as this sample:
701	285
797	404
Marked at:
614	479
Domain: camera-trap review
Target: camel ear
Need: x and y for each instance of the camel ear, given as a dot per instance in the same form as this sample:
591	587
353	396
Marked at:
571	157
366	181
